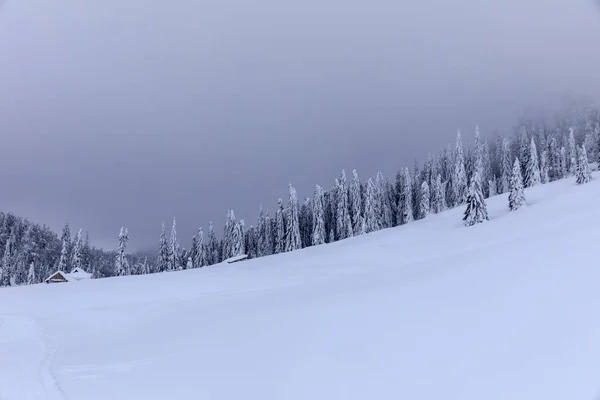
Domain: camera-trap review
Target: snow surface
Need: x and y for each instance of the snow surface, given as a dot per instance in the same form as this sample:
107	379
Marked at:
432	310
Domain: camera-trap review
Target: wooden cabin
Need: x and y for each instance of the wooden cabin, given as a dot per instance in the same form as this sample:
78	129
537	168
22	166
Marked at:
57	277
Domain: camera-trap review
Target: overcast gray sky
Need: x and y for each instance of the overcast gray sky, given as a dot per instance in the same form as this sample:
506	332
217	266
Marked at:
130	112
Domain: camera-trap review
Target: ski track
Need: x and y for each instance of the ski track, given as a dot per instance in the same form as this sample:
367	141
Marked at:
25	355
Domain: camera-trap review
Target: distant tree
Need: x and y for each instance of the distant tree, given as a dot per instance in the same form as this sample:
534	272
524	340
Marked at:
544	167
583	173
306	223
212	249
293	241
572	152
476	211
63	263
355	202
492	187
371	200
200	254
437	196
505	167
162	264
459	179
516	198
77	254
406	208
425	200
563	163
31	278
318	236
280	228
174	250
342	210
121	264
532	171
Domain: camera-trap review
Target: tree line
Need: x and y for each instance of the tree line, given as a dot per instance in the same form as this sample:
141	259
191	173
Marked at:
538	151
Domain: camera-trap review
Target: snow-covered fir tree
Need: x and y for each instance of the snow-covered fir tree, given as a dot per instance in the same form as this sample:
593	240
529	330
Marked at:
77	256
478	154
162	264
476	211
121	264
355	202
306	221
492	186
437	195
318	236
459	178
292	239
505	166
425	200
371	214
564	171
212	248
200	256
516	198
384	204
280	228
236	245
544	167
583	173
406	196
532	171
63	263
572	152
174	250
342	210
31	277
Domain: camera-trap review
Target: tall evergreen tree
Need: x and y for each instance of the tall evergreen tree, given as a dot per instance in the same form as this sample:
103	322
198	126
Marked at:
506	166
492	186
237	238
293	241
371	215
318	236
200	254
532	171
121	264
425	200
174	250
563	162
476	211
583	173
280	228
212	248
459	179
162	264
572	152
516	198
31	277
63	263
478	156
77	256
544	168
306	222
355	202
406	199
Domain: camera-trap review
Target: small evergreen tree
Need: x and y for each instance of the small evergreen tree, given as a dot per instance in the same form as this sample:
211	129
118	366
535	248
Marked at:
371	200
121	264
77	256
459	179
544	167
355	202
516	198
492	187
572	152
280	230
532	171
162	264
174	250
31	278
406	207
293	241
476	211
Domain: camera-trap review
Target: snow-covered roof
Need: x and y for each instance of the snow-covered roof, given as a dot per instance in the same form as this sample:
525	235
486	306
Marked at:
236	258
78	274
57	276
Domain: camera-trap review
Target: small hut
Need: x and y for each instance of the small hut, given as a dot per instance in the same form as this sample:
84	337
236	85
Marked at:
57	277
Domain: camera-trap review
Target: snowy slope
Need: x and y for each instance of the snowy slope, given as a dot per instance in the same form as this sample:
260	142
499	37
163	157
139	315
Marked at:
503	310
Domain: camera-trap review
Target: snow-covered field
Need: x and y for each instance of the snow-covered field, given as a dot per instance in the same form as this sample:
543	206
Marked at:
505	310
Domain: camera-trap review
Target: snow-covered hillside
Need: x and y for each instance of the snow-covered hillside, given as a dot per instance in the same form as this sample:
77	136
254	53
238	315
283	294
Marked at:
431	310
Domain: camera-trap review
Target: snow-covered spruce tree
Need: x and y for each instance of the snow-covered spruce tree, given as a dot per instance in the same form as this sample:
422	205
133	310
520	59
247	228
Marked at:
597	136
200	257
63	263
237	238
162	263
425	200
406	199
524	150
437	195
384	205
478	155
306	222
174	250
459	178
77	256
572	152
31	278
355	202
583	173
121	264
371	200
318	235
544	168
212	248
564	171
516	198
230	223
532	171
506	167
492	186
293	241
280	228
476	211
342	210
